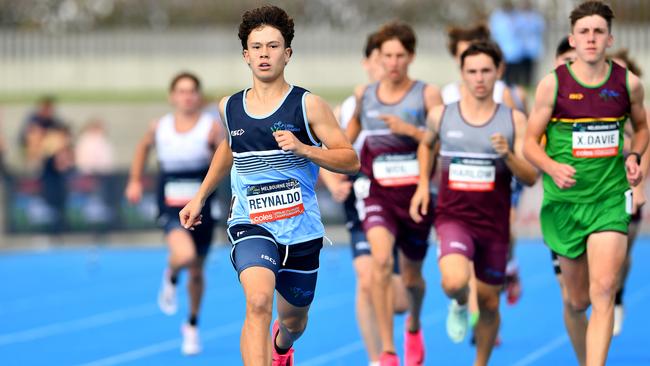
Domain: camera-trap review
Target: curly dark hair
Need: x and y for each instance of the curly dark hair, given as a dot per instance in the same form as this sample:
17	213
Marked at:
266	15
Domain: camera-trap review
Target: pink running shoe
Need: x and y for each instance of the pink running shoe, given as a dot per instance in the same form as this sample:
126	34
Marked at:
513	287
413	347
278	359
388	359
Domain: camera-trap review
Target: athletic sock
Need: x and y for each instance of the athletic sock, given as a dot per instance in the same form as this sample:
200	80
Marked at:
173	279
280	351
193	320
619	297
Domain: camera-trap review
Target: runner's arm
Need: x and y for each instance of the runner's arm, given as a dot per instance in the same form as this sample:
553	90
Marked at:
638	116
353	127
426	152
515	160
339	156
133	191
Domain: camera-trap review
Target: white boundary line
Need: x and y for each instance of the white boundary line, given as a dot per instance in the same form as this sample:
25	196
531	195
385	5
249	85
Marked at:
78	324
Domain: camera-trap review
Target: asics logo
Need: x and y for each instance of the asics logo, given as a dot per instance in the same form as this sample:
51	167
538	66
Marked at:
240	232
238	132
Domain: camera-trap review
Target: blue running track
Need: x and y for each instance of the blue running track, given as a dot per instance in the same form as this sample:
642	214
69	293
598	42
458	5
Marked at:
97	306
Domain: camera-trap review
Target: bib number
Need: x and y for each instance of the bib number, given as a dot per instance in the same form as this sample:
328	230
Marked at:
472	175
179	192
274	201
595	140
396	170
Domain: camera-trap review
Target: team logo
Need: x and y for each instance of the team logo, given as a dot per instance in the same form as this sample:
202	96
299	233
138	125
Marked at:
238	132
282	126
576	96
607	94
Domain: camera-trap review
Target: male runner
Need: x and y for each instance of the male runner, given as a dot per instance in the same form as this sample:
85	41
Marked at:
275	133
582	108
622	58
481	148
197	135
341	188
389	121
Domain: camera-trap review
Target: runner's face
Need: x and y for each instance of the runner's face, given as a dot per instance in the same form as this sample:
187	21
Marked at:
266	54
479	75
591	38
185	97
395	60
568	56
374	66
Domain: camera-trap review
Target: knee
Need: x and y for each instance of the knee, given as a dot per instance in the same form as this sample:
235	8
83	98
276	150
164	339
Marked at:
488	303
604	287
383	265
295	325
412	279
577	304
183	259
259	304
453	284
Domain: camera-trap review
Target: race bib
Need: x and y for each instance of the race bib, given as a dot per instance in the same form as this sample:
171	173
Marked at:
396	170
595	140
179	192
472	175
274	201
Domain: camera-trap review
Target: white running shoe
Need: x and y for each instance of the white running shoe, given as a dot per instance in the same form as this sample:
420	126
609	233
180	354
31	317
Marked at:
618	319
191	341
457	321
167	295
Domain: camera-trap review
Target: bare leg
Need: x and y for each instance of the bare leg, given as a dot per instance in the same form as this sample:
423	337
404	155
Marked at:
487	327
381	244
259	286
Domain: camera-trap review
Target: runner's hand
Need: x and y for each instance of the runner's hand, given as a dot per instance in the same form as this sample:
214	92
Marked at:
133	192
397	125
500	144
341	190
638	198
287	141
562	175
190	215
419	204
633	171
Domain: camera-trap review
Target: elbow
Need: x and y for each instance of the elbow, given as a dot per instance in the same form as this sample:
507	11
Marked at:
353	167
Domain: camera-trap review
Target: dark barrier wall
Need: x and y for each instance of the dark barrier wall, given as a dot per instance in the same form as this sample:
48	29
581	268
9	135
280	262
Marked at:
87	204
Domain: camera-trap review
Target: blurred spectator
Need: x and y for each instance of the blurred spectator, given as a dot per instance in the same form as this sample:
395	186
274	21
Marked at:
94	153
58	161
34	131
530	26
519	33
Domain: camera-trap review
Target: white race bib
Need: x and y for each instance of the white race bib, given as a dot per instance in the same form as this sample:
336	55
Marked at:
472	175
595	140
179	192
396	170
274	201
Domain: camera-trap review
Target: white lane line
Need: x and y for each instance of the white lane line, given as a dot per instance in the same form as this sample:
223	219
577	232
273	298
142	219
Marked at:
327	303
635	298
543	351
172	344
78	324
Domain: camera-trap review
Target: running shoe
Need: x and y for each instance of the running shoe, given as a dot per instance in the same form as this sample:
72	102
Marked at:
167	295
278	359
457	321
413	347
618	319
191	341
388	359
513	285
